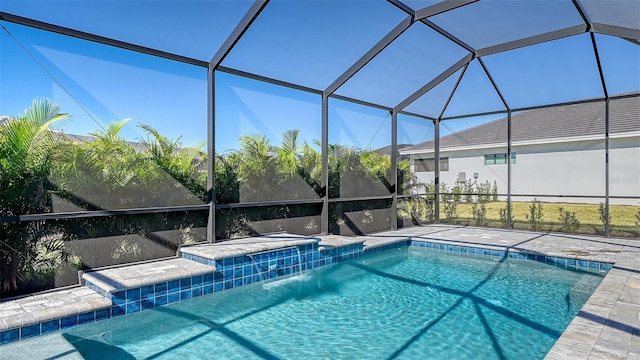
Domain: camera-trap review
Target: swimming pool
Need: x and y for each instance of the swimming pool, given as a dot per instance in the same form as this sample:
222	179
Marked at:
409	303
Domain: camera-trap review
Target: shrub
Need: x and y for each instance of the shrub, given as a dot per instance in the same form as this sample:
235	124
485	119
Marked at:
457	193
568	221
494	192
535	215
479	214
451	211
604	217
505	219
484	192
417	209
468	192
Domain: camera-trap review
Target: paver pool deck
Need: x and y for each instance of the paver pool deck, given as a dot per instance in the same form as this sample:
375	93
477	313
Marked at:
607	327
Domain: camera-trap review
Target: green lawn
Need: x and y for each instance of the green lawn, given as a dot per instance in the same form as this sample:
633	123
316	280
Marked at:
623	217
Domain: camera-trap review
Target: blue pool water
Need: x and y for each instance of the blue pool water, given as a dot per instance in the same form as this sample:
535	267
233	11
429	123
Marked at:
407	303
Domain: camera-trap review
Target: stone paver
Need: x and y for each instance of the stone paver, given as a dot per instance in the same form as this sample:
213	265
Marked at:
333	241
139	275
48	306
245	246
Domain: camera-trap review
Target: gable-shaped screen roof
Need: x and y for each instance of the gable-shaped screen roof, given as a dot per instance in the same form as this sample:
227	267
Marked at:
386	53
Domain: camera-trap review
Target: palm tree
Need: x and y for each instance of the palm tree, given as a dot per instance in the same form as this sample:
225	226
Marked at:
27	144
181	163
258	170
26	148
288	152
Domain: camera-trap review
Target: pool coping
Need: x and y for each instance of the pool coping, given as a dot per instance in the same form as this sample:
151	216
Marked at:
608	325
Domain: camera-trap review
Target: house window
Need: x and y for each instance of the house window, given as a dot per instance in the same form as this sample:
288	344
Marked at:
496	159
427	165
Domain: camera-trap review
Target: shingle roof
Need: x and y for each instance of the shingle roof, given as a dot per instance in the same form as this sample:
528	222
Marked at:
568	121
387	149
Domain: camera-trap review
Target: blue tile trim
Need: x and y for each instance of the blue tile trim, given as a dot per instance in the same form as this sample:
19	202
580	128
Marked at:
68	322
50	326
9	336
395	245
564	263
103	314
29	331
338	254
118	310
87	317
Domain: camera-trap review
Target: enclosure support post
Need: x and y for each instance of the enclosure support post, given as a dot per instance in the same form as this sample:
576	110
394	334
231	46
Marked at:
324	215
394	170
211	155
607	225
436	180
509	224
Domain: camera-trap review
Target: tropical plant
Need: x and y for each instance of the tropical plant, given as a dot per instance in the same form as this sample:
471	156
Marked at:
27	143
406	179
376	166
288	152
311	165
181	163
105	172
227	184
258	168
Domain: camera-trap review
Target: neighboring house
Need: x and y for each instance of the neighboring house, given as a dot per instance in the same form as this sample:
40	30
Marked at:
555	151
387	149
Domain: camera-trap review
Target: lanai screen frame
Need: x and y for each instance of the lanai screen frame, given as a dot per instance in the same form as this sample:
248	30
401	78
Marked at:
413	16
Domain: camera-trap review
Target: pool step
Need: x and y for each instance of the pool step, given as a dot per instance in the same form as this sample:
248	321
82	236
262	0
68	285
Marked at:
52	311
245	261
210	253
143	286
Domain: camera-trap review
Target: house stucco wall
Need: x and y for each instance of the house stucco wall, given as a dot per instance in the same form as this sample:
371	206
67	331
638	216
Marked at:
566	169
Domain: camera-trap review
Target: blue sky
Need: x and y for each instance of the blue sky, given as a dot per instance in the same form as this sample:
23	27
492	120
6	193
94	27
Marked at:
98	84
